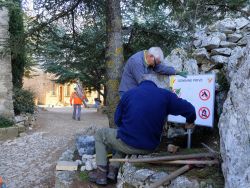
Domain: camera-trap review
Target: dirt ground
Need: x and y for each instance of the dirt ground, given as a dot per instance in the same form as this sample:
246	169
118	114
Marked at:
58	121
30	160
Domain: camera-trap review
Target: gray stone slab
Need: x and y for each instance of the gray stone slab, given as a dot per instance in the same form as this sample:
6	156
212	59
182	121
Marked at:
66	166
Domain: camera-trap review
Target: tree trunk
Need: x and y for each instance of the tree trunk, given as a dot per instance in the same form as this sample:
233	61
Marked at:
114	56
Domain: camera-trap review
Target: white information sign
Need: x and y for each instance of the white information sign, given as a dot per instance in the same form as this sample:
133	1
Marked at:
198	90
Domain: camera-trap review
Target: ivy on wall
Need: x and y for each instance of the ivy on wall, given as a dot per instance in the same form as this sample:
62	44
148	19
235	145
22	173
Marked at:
23	100
16	41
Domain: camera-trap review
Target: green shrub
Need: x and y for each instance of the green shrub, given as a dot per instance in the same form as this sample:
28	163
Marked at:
23	101
4	122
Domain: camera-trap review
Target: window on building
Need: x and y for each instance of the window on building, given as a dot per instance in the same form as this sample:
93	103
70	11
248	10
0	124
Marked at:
53	89
67	90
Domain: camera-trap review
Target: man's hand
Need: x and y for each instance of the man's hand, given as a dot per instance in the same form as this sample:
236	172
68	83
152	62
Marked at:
182	73
189	126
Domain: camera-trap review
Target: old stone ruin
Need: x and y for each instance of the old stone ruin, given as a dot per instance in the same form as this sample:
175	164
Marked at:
6	86
23	121
223	49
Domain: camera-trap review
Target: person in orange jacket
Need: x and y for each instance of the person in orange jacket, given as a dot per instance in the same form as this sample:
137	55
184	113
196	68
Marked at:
77	102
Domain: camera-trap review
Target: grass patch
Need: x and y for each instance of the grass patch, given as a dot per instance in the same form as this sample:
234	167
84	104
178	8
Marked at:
83	176
4	122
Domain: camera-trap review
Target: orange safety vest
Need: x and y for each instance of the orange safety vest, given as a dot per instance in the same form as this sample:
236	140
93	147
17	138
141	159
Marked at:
76	98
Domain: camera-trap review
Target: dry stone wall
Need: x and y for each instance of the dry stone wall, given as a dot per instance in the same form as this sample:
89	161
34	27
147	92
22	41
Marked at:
234	127
6	86
222	45
225	49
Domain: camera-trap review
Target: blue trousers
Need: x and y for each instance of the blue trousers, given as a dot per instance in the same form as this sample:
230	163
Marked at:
77	111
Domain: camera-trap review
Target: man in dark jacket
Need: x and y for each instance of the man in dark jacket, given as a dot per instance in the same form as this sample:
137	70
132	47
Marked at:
140	117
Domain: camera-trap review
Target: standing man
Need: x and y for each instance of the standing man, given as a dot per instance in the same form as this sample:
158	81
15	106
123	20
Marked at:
144	62
140	117
77	102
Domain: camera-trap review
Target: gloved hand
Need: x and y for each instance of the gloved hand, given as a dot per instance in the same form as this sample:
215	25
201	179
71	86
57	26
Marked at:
182	73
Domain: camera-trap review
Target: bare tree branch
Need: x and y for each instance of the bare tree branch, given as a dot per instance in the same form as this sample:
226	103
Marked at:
56	17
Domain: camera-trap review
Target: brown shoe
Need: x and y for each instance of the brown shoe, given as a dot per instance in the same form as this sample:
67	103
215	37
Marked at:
99	176
113	172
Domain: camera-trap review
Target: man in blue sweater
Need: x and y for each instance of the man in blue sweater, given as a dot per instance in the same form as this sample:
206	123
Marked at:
144	62
140	117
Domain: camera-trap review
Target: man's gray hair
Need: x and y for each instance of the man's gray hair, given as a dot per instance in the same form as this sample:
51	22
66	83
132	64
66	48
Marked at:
156	52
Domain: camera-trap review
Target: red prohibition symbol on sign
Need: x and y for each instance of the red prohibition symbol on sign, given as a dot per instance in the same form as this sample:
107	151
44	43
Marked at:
204	113
204	94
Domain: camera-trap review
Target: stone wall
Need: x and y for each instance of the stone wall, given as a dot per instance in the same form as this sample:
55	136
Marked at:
225	49
234	127
6	86
221	45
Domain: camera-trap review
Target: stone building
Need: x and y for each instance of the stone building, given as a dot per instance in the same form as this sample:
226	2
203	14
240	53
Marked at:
49	93
6	86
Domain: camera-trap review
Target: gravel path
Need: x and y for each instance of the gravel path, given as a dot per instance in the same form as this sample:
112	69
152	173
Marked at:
29	161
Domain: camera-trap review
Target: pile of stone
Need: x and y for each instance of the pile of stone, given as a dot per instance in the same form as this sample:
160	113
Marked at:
87	163
85	145
86	149
221	44
27	120
65	169
22	123
66	166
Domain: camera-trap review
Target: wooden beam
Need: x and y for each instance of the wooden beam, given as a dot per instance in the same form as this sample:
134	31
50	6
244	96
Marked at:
171	176
165	158
191	162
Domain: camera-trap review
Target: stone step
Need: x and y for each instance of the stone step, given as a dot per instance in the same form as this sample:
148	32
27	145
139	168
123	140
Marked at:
66	165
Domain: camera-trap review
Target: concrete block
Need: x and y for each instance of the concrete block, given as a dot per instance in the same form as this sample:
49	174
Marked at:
8	133
21	127
3	133
66	165
12	132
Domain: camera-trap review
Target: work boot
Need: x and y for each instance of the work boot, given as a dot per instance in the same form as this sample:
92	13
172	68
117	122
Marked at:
99	176
113	172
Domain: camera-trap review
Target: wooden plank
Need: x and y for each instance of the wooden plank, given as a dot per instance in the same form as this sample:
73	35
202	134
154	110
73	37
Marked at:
165	158
171	176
